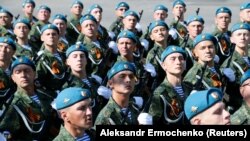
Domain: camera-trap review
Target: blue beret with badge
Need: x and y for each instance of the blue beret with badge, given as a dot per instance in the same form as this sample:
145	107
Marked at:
88	17
29	1
172	49
160	7
240	25
245	76
204	37
76	47
77	2
195	18
59	16
200	101
8	41
179	2
45	7
122	4
6	12
71	96
49	26
121	66
24	21
127	34
245	6
223	10
131	13
93	7
157	23
22	60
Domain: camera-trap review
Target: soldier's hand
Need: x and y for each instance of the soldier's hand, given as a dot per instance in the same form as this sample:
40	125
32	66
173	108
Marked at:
229	73
216	59
138	27
97	78
173	33
145	44
113	46
138	101
111	35
150	68
145	119
104	92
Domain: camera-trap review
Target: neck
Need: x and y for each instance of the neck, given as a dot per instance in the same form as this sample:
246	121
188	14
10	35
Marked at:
129	57
28	90
242	51
81	74
4	64
181	18
223	30
75	132
29	15
121	99
93	38
162	44
174	80
51	49
22	41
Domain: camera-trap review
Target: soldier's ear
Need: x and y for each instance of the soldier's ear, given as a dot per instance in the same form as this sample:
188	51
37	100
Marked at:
110	84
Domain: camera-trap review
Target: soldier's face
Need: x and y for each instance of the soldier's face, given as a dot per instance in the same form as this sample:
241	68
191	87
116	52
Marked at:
89	28
160	15
241	38
123	83
43	15
23	76
178	9
50	37
129	22
222	20
126	46
174	64
79	115
204	51
6	52
245	90
21	30
5	19
97	13
195	28
159	34
245	15
76	9
120	11
28	8
77	61
61	25
215	115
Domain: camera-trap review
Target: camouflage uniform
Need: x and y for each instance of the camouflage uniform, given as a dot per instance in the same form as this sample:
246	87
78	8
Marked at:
21	51
241	116
73	29
5	33
164	96
103	35
37	116
32	21
116	26
64	135
111	114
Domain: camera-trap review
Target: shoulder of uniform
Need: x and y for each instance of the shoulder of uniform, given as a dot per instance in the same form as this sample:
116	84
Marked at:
238	118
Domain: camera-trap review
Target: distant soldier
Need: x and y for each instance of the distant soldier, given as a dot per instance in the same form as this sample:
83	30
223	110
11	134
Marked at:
22	28
117	25
222	34
242	115
6	28
28	9
206	108
61	22
74	107
167	106
43	16
74	26
30	111
244	12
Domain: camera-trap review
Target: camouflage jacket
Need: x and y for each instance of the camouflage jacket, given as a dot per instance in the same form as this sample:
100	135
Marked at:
167	107
241	116
73	29
21	51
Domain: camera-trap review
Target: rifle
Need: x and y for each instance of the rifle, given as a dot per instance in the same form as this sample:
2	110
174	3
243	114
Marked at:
199	81
16	17
197	11
140	15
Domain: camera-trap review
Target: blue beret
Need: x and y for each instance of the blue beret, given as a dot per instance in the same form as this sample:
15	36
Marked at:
127	34
87	17
24	21
172	49
93	7
161	7
204	37
223	10
200	101
238	26
6	11
29	1
179	2
71	96
8	41
245	76
195	18
49	26
245	6
157	23
77	2
122	4
121	66
76	47
45	7
59	16
22	60
131	13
